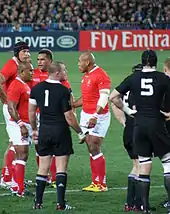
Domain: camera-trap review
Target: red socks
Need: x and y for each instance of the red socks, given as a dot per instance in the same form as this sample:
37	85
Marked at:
10	157
98	168
20	173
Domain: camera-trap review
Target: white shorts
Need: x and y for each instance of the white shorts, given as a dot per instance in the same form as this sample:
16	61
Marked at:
15	134
100	128
6	117
6	114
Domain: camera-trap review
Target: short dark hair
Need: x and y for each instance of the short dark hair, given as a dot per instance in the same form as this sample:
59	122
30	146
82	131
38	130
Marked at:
23	65
48	53
149	58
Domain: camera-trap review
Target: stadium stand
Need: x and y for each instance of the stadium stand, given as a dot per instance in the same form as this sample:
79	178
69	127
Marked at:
71	15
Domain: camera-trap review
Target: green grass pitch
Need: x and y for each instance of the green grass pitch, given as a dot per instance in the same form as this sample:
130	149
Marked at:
118	66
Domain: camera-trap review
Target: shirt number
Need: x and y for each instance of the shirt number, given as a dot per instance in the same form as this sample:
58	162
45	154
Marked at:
125	98
146	87
46	101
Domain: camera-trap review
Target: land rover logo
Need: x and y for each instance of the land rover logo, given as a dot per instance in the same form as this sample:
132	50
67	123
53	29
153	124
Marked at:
66	41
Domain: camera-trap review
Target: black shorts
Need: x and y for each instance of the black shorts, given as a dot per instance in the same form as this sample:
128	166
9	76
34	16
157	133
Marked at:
128	141
54	140
151	137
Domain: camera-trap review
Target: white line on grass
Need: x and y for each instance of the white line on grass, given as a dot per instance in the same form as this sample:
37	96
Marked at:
79	190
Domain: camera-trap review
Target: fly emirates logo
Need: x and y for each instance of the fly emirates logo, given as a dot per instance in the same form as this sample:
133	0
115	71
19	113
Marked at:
137	39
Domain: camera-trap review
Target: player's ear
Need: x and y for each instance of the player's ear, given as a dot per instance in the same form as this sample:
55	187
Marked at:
88	62
57	73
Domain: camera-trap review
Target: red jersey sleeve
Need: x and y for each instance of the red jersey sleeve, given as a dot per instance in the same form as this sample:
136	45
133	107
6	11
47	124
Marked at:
32	83
103	81
9	70
67	85
14	92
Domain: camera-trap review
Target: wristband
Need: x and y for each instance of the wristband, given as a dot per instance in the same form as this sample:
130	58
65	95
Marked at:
82	135
20	123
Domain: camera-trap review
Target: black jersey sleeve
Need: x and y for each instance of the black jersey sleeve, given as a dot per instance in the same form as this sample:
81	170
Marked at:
65	102
33	94
124	86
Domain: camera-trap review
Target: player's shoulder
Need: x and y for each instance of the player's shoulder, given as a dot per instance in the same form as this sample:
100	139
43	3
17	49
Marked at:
66	84
15	84
16	81
12	63
100	72
38	85
161	76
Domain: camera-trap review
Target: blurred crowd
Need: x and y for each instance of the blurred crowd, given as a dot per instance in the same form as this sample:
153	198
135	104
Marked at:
78	14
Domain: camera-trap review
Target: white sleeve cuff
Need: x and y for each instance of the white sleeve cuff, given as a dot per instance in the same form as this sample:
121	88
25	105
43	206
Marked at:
104	97
33	101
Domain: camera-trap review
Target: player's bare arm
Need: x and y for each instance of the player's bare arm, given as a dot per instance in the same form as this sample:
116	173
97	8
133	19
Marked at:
33	121
12	108
102	102
72	121
116	99
72	104
119	114
77	103
2	92
32	115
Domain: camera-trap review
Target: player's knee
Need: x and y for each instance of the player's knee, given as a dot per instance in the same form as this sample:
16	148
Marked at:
166	163
135	168
22	156
145	160
94	149
43	170
22	153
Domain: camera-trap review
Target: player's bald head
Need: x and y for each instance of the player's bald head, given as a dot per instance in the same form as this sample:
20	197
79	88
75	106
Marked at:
23	66
87	56
167	66
167	63
86	62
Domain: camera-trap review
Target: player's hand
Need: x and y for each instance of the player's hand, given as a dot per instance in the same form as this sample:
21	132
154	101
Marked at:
132	113
123	124
35	137
92	122
24	131
166	114
129	111
82	137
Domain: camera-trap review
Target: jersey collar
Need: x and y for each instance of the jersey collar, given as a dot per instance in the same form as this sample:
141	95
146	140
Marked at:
15	60
19	79
96	67
52	81
148	69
